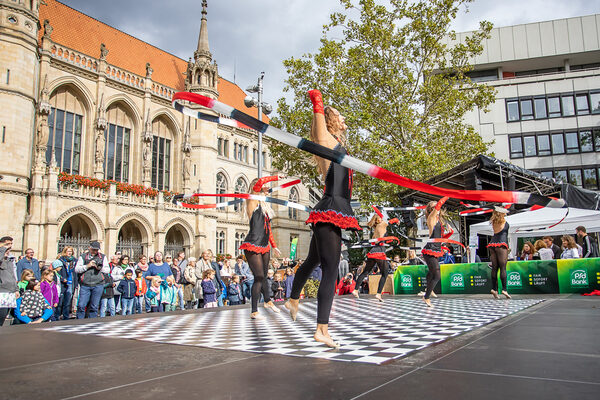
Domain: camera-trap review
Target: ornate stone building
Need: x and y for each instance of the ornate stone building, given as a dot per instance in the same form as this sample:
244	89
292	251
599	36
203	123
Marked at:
88	128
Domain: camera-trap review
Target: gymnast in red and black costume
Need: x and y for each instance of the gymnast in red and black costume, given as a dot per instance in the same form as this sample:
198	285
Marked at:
498	248
329	216
433	250
376	255
256	245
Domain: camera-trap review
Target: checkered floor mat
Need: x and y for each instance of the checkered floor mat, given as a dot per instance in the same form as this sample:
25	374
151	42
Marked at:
369	331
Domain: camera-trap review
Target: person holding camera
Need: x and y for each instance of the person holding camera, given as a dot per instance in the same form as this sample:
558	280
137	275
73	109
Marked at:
346	285
91	267
9	291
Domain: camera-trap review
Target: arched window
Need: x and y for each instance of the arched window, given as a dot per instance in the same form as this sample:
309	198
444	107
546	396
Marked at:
117	136
161	154
220	242
241	186
65	123
239	239
295	197
221	186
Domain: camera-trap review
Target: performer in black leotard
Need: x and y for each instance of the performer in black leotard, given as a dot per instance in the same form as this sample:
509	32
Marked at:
329	216
433	251
498	248
256	245
375	256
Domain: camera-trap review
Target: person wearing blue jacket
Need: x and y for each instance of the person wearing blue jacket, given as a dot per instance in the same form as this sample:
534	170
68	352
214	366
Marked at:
127	288
32	307
234	291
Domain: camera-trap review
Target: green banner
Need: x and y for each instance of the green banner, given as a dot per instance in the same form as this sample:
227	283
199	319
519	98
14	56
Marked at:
531	277
466	278
523	277
579	275
293	247
412	279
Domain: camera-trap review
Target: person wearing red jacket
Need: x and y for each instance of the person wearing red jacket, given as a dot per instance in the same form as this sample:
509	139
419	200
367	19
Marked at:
139	301
346	285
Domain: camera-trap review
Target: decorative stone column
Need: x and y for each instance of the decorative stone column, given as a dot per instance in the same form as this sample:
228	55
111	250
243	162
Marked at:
147	138
100	140
187	160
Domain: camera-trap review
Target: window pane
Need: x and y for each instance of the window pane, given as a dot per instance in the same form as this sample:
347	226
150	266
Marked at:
553	107
58	135
118	153
516	147
547	174
585	138
161	162
512	108
529	142
572	144
125	154
567	105
167	165
582	104
558	146
590	180
540	108
595	99
110	153
154	161
560	175
543	145
575	177
597	139
67	142
77	143
526	109
51	136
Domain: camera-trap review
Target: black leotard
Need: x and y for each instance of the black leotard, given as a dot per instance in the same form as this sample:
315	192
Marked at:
334	207
500	239
259	236
434	249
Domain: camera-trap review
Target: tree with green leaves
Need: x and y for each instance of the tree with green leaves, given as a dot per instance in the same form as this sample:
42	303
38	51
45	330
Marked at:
399	76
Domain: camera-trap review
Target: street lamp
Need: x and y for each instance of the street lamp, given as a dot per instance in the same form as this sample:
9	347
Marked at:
250	101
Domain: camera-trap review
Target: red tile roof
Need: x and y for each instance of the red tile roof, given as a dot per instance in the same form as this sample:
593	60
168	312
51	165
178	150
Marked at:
85	34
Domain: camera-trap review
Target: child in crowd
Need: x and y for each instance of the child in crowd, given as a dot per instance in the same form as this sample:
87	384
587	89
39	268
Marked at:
128	288
168	294
49	290
278	288
108	297
33	307
140	292
234	291
153	294
208	288
26	276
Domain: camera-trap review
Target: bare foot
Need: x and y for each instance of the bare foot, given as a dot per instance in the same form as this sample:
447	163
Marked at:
421	294
505	293
256	315
320	337
428	302
355	293
433	294
271	306
292	306
494	293
378	297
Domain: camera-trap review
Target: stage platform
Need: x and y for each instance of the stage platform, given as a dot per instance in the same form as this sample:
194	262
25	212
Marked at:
465	347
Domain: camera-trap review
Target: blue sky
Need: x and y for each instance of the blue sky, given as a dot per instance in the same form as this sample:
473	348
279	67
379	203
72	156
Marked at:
250	36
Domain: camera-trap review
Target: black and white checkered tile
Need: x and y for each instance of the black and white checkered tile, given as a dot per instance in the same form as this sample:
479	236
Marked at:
369	331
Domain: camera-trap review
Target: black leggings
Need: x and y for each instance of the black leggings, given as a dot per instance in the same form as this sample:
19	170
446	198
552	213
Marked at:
325	248
3	314
499	257
383	268
259	264
433	275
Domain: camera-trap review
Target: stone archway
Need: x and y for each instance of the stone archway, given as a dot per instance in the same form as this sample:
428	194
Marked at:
131	239
77	232
176	240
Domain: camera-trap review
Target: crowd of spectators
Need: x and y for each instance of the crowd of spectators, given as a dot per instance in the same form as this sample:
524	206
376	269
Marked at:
95	285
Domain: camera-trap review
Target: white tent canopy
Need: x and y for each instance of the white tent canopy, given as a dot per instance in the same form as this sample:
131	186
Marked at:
522	223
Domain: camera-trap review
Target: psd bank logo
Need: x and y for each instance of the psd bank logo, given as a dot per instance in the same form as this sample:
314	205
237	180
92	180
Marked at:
457	281
406	281
514	279
579	278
